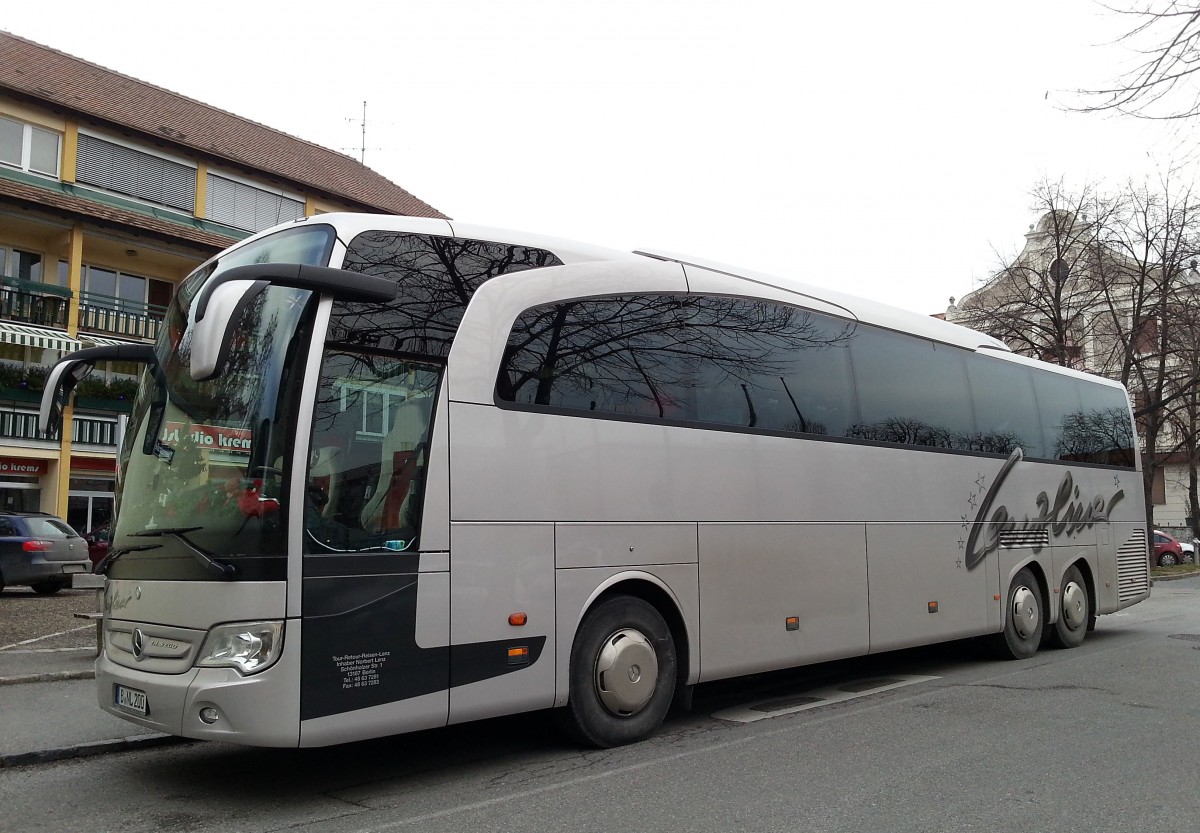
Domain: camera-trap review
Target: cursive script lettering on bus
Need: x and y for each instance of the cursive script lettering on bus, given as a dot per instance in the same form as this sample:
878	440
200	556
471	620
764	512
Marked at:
114	601
1066	515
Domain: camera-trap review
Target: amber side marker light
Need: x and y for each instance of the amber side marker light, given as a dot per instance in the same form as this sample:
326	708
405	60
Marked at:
933	607
792	623
517	619
518	656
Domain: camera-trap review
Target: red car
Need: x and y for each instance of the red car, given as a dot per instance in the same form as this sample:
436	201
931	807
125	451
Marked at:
97	543
1167	551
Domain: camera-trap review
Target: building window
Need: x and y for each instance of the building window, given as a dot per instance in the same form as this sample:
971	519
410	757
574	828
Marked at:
118	288
1060	270
24	266
246	206
29	148
1145	335
143	175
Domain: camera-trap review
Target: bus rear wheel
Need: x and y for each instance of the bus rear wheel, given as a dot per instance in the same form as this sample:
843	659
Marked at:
1023	619
623	670
1076	612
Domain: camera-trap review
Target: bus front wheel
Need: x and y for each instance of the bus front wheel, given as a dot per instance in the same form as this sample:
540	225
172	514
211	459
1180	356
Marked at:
1023	618
623	669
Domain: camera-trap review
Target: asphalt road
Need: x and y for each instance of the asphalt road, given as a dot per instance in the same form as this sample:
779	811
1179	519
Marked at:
1101	738
46	621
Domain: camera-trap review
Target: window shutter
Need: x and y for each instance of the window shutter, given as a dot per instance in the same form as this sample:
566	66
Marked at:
127	171
246	207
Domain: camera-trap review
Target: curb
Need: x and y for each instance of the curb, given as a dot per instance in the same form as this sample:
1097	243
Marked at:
87	750
1175	576
49	677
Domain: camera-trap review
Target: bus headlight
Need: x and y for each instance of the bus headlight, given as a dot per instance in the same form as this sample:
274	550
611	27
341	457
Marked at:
249	647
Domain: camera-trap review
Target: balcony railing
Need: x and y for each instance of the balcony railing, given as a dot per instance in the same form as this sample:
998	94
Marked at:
93	431
30	302
34	303
118	316
23	426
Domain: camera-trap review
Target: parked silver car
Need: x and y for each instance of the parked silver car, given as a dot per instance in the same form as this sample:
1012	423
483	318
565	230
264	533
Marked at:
41	551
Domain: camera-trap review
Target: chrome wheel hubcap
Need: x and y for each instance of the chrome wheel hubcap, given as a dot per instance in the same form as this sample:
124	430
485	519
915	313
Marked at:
1074	606
626	672
1025	613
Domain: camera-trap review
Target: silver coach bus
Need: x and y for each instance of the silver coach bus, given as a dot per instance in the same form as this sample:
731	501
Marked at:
386	474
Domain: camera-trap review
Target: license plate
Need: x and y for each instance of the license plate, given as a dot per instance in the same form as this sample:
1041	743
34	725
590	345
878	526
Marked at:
131	699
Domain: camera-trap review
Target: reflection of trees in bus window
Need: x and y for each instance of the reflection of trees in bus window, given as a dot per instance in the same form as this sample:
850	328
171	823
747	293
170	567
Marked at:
911	390
728	361
762	365
437	277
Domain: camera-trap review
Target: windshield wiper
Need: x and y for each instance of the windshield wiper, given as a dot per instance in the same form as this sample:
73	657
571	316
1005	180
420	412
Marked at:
114	554
166	530
220	569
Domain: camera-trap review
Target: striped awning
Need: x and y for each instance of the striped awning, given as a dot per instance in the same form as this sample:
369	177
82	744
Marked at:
89	340
30	336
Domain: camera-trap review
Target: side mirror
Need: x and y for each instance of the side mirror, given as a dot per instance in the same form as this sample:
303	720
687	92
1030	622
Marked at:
223	308
223	299
70	370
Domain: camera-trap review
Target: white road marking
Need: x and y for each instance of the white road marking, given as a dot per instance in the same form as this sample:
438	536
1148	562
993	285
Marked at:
47	636
817	697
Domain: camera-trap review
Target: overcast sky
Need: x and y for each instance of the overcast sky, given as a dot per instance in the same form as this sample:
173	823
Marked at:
883	147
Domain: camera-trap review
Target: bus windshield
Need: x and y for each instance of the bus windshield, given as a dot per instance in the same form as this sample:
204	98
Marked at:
205	465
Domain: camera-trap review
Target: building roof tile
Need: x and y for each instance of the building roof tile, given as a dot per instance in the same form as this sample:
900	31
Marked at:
91	91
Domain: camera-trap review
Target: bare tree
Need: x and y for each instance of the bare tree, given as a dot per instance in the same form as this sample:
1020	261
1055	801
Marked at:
1166	34
1148	285
1040	302
1120	305
1184	415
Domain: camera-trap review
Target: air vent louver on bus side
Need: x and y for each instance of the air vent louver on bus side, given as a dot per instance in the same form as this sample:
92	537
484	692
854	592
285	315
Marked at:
1036	538
1133	569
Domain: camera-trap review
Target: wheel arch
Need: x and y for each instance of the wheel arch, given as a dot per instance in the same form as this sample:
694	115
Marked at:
652	590
1089	578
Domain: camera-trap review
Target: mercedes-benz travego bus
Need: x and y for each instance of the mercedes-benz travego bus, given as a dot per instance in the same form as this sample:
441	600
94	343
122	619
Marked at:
386	474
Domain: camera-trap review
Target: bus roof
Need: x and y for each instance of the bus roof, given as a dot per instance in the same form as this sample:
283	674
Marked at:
850	306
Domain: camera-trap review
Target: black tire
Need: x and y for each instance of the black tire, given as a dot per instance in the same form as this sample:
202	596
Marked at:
47	588
613	701
1023	618
1167	559
1075	612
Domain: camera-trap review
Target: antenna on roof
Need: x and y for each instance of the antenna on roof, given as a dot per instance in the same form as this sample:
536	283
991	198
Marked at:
362	146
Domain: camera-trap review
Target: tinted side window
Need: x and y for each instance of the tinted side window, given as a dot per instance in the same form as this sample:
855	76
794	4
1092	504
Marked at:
1099	430
437	276
715	360
911	391
757	364
8	528
1056	397
1005	408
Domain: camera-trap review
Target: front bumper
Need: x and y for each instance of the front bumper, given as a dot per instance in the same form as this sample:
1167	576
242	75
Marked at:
258	710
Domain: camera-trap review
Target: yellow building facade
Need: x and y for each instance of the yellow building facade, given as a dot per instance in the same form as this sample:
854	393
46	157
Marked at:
111	192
